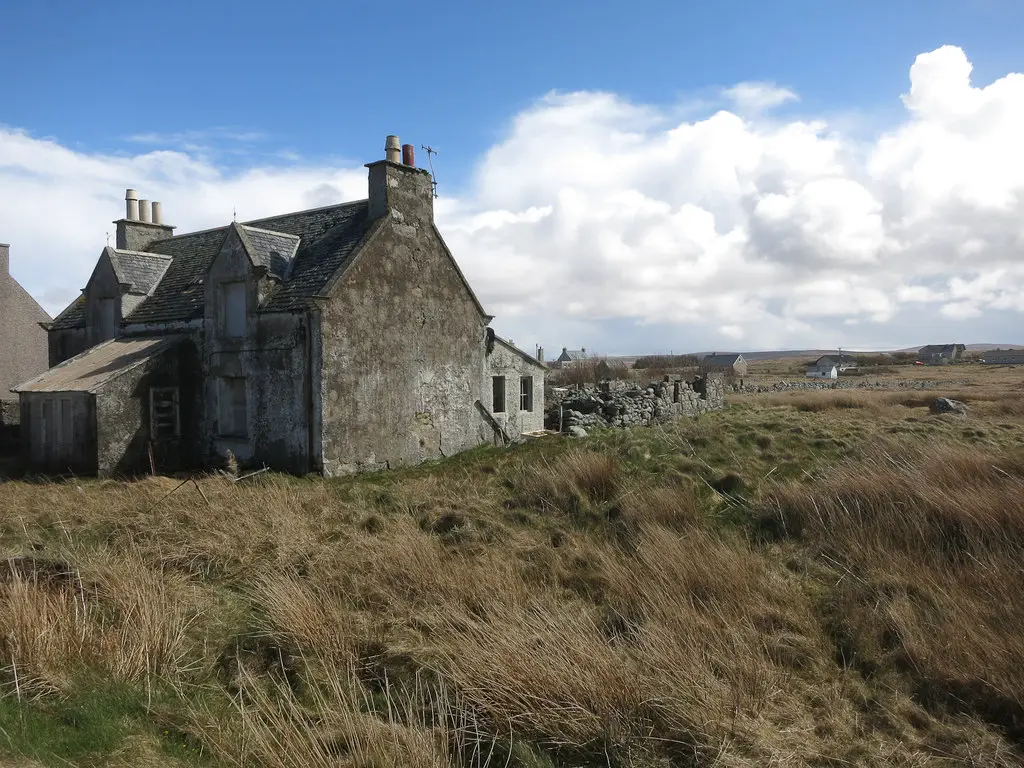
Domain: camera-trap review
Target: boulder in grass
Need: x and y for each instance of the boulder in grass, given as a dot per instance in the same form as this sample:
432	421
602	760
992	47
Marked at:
946	405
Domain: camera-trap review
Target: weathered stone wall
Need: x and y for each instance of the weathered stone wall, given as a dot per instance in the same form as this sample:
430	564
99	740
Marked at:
122	415
66	343
272	357
622	404
844	383
503	361
403	341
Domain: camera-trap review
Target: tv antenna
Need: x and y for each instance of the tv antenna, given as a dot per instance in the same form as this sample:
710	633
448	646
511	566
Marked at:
430	159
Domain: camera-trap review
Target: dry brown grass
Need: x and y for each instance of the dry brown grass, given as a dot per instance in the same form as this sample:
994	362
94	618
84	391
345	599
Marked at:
554	605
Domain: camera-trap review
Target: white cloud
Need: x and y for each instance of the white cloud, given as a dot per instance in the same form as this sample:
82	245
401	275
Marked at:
612	225
757	96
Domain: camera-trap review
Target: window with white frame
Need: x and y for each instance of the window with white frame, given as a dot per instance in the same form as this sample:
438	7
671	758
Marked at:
164	416
233	309
233	418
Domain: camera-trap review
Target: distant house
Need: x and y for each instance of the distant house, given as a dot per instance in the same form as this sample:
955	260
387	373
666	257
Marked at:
826	371
569	356
23	352
840	361
941	353
730	363
1004	357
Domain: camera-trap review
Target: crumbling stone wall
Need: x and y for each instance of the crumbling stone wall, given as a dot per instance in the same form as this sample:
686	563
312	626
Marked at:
622	404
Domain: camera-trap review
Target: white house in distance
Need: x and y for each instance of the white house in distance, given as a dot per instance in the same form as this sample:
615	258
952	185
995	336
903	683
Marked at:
823	372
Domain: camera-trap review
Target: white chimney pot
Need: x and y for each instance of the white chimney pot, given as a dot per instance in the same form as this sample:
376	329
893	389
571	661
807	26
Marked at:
393	149
144	211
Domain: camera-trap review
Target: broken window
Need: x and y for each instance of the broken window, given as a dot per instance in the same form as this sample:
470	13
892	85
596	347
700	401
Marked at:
526	393
164	418
234	417
498	394
233	309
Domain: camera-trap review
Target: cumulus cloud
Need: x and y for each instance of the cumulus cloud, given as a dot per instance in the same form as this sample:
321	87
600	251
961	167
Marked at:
758	96
608	224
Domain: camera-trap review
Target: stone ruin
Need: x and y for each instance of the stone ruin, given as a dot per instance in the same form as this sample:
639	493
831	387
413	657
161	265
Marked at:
626	404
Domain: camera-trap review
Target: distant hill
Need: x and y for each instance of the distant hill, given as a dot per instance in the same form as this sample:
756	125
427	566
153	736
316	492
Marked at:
815	353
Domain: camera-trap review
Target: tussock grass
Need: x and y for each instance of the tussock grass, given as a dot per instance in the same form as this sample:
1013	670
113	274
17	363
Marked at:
852	598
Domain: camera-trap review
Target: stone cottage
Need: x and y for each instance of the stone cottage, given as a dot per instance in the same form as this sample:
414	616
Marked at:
333	340
730	364
22	339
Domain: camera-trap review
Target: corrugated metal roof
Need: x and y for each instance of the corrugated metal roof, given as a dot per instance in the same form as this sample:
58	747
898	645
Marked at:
89	371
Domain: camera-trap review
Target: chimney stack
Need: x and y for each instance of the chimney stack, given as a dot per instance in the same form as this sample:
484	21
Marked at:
5	259
540	354
142	225
393	149
131	201
409	155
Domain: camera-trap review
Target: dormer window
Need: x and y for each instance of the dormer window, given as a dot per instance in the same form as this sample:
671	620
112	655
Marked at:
233	309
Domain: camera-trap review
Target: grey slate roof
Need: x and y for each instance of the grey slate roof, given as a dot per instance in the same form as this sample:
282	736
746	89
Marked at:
141	271
273	250
327	236
73	315
946	350
92	369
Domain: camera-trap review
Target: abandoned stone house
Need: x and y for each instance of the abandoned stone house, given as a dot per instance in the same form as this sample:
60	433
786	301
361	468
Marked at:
730	364
22	339
334	340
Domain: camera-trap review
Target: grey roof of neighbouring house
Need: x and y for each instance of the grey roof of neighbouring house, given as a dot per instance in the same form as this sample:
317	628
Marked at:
326	238
729	359
90	370
941	349
568	355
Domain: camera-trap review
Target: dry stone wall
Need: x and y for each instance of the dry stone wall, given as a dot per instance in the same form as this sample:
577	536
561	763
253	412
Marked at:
622	404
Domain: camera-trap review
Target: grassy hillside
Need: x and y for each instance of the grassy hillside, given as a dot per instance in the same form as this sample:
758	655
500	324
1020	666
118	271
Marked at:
818	578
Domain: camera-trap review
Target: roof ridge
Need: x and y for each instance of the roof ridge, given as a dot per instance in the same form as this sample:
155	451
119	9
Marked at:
143	253
270	231
251	222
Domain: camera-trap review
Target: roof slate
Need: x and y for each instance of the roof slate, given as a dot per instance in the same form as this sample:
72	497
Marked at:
273	250
90	370
327	237
73	315
141	271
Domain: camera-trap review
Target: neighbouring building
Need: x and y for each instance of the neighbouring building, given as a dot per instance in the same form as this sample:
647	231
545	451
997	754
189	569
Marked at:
840	361
1004	357
517	387
22	339
568	357
941	353
333	340
825	371
730	364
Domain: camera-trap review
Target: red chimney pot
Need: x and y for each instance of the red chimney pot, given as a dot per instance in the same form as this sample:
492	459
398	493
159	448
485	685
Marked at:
409	155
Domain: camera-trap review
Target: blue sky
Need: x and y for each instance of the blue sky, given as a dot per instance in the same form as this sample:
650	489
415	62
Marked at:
239	88
326	79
